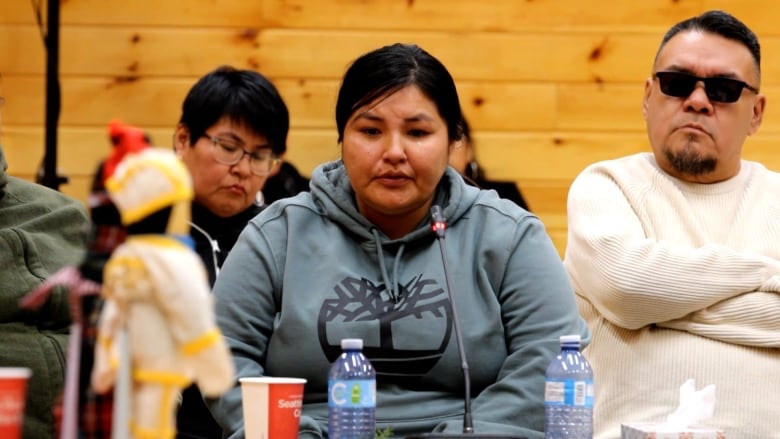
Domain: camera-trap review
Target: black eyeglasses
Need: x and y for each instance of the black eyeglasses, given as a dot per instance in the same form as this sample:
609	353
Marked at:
230	152
681	85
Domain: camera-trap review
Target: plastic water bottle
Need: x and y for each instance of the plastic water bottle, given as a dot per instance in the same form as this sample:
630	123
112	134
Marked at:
568	393
351	394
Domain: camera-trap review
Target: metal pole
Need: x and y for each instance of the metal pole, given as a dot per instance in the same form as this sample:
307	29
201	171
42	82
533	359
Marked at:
50	177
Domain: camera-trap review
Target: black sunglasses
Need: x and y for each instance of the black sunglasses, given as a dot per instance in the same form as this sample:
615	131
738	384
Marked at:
681	85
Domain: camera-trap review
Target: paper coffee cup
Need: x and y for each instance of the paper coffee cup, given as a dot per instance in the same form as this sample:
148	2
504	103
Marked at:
272	407
13	394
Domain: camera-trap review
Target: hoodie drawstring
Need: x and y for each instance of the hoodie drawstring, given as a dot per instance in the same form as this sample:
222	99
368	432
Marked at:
390	284
214	246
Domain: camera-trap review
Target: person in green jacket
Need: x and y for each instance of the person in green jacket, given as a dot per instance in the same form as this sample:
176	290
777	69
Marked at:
41	230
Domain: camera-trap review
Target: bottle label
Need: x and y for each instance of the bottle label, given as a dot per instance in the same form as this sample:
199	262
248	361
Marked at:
569	392
352	393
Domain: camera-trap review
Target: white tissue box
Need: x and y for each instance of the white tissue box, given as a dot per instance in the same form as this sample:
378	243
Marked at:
649	430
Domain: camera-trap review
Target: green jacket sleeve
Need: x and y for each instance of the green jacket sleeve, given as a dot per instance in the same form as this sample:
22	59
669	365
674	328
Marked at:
41	231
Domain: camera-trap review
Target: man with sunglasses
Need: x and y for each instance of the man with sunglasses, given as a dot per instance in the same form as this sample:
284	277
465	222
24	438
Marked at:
231	136
675	254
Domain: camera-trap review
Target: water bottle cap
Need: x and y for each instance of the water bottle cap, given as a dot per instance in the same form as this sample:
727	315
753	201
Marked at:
351	343
569	339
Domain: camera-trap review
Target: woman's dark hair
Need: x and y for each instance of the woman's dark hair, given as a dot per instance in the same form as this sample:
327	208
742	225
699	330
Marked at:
388	69
244	96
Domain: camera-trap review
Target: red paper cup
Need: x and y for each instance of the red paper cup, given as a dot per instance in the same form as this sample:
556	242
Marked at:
272	407
13	393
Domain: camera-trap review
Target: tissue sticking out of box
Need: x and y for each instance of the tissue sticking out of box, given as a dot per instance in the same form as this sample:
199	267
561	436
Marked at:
695	406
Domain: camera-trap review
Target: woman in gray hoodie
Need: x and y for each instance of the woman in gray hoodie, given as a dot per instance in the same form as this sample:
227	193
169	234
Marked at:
356	257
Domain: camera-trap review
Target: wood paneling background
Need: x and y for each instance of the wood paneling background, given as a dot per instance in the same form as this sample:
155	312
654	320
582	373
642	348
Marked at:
549	86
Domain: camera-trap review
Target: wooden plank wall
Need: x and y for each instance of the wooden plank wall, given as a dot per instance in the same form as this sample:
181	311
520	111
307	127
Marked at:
548	85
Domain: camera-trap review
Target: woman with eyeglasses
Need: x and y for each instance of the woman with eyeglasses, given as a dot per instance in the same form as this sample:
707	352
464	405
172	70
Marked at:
356	256
231	136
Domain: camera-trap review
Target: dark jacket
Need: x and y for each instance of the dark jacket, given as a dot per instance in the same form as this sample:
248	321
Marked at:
41	231
287	182
214	237
474	176
505	189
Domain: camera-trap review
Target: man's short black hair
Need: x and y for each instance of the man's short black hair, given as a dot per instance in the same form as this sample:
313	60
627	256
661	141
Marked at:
244	96
719	23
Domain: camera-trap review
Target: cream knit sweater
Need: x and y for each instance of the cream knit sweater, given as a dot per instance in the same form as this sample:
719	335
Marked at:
676	281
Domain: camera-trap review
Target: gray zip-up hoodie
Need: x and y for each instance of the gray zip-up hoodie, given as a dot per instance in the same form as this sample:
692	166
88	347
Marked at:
311	270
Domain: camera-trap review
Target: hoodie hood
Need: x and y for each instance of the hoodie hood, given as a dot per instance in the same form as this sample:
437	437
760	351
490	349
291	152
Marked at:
3	176
333	193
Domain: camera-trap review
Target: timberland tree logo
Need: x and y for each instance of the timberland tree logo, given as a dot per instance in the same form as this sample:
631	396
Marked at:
358	301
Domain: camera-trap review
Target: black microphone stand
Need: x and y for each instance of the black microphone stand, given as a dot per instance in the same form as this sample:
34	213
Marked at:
48	173
439	225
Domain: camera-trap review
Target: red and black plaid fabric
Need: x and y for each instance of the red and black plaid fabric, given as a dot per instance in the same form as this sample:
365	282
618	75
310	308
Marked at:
95	410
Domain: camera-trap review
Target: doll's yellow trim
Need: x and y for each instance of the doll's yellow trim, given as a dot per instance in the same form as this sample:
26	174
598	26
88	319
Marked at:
157	240
174	174
171	383
106	342
113	362
132	216
125	261
165	378
146	433
204	341
162	432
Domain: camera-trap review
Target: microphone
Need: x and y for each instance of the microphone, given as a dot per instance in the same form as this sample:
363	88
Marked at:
439	226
